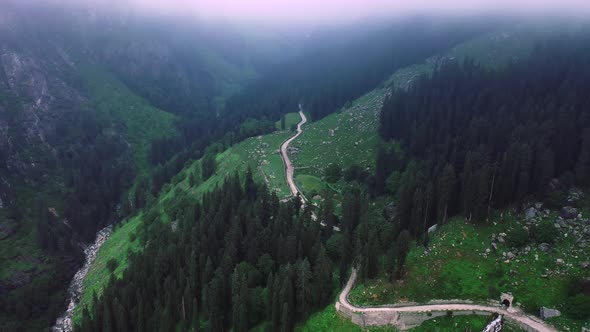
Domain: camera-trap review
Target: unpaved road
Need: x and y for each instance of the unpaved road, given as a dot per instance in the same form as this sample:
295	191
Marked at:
288	164
514	315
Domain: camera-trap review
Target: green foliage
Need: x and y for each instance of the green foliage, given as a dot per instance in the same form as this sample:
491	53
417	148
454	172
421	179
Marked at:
112	265
287	121
578	307
333	172
518	237
143	122
330	321
545	232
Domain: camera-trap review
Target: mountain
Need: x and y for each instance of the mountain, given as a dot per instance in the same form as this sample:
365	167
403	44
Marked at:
83	96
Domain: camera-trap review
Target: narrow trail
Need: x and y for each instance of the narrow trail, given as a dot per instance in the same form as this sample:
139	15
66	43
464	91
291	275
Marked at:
518	316
289	169
343	305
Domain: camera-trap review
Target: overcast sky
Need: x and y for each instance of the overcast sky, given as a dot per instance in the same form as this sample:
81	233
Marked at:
336	10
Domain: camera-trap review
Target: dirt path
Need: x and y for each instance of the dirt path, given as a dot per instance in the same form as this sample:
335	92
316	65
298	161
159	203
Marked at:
285	155
515	315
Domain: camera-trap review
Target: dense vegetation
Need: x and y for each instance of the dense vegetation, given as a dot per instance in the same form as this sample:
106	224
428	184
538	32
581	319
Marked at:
238	258
474	140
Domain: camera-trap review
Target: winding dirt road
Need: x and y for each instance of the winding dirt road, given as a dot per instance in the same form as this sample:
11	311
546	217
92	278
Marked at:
515	315
289	169
532	323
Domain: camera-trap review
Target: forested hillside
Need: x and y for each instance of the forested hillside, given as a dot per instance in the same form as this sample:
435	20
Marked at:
88	100
341	71
239	258
167	130
475	140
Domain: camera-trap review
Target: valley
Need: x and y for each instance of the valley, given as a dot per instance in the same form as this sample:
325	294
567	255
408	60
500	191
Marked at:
172	174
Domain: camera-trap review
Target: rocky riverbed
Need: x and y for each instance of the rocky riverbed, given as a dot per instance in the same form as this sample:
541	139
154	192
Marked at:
64	323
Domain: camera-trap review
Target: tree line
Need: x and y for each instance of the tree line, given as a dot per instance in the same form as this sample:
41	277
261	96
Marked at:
467	140
234	260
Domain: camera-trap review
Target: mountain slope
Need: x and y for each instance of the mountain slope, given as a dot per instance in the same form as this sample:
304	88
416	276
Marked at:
83	95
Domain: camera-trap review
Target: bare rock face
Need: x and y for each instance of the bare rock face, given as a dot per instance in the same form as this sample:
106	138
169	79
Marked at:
37	90
568	212
544	247
548	313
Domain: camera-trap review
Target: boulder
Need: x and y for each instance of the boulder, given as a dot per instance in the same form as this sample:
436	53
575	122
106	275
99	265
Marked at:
432	228
548	313
568	212
495	246
510	255
585	265
587	230
530	213
544	247
559	261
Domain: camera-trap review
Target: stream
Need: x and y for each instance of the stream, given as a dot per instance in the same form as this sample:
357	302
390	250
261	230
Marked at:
64	322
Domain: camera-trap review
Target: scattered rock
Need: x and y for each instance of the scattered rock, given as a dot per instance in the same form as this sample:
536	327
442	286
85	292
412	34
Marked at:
559	261
587	230
495	246
538	205
574	195
544	247
510	255
530	213
585	265
568	212
548	313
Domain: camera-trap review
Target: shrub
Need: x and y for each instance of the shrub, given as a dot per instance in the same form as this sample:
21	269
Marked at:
112	265
333	173
545	232
518	237
578	307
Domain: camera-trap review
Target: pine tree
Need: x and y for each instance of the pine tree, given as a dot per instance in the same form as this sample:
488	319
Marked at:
303	284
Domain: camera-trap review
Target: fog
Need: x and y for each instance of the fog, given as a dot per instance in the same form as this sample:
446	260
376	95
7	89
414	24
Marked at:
326	11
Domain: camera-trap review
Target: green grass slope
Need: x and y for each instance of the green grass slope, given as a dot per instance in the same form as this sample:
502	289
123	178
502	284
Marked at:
259	153
458	264
350	136
142	122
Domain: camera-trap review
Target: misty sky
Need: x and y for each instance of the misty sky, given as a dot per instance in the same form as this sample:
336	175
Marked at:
335	10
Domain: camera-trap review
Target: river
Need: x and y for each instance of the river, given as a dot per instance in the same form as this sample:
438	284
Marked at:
64	322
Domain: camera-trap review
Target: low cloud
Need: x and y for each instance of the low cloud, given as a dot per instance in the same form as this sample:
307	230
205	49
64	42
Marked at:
322	11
